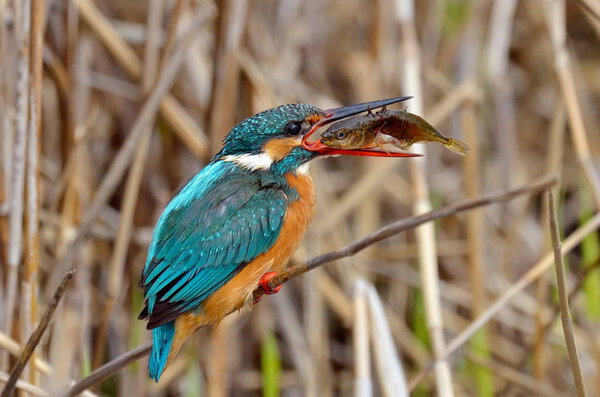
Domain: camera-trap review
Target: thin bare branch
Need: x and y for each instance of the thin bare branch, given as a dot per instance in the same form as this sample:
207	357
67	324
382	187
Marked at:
403	225
108	369
34	339
563	299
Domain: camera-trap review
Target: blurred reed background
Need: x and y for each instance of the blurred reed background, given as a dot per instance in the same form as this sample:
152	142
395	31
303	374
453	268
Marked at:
107	106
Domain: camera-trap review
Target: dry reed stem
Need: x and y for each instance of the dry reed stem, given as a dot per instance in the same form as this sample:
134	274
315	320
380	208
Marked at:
73	318
363	385
216	382
561	285
499	39
389	369
256	75
556	151
134	180
500	94
42	366
34	339
528	383
555	18
381	234
500	90
291	327
183	125
15	219
152	47
466	91
545	328
85	133
32	253
226	73
24	386
404	336
469	122
317	328
425	234
336	298
174	18
591	6
14	349
232	20
311	320
529	277
402	225
475	223
475	230
125	154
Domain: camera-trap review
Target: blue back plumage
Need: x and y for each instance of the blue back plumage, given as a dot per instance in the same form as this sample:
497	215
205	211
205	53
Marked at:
221	220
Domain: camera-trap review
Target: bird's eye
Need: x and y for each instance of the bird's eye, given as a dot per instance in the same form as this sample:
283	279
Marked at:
293	128
340	135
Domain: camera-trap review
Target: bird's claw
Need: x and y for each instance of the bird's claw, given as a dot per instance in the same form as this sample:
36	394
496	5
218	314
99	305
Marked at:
264	283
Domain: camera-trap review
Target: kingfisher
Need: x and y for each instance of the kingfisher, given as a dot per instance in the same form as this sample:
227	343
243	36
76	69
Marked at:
236	223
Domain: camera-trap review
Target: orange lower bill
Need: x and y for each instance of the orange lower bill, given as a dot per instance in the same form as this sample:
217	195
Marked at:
325	150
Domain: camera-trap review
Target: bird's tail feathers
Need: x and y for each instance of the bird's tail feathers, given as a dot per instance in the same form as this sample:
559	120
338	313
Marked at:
162	339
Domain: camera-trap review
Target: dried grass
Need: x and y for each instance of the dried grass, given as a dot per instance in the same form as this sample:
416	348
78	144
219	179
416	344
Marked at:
106	107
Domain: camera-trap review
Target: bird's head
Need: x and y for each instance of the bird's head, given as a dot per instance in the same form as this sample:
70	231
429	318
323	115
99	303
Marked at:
277	138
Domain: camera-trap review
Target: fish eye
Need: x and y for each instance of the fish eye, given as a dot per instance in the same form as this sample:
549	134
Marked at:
340	135
293	128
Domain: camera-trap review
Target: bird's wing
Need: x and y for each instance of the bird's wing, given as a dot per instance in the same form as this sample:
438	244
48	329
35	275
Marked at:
206	235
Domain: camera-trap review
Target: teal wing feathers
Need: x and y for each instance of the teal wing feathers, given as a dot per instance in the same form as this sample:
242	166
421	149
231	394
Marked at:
220	221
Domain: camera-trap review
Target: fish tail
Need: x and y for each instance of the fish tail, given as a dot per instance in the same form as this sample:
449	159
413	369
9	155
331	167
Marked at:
457	146
162	339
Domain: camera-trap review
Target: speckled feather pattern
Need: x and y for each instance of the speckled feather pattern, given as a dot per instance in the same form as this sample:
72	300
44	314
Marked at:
249	135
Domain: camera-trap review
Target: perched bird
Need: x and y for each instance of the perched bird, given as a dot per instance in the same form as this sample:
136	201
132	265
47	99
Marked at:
235	223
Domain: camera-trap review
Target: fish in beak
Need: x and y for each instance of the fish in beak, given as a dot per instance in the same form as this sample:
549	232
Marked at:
333	115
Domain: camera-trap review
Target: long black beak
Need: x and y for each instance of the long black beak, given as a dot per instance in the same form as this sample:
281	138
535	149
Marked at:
333	115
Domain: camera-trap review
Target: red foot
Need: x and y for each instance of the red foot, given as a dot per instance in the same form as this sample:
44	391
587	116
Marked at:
264	283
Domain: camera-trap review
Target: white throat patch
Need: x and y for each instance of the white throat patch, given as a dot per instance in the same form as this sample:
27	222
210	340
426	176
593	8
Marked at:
260	161
303	169
252	162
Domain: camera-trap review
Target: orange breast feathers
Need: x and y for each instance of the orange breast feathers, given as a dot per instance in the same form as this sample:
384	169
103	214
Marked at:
237	292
